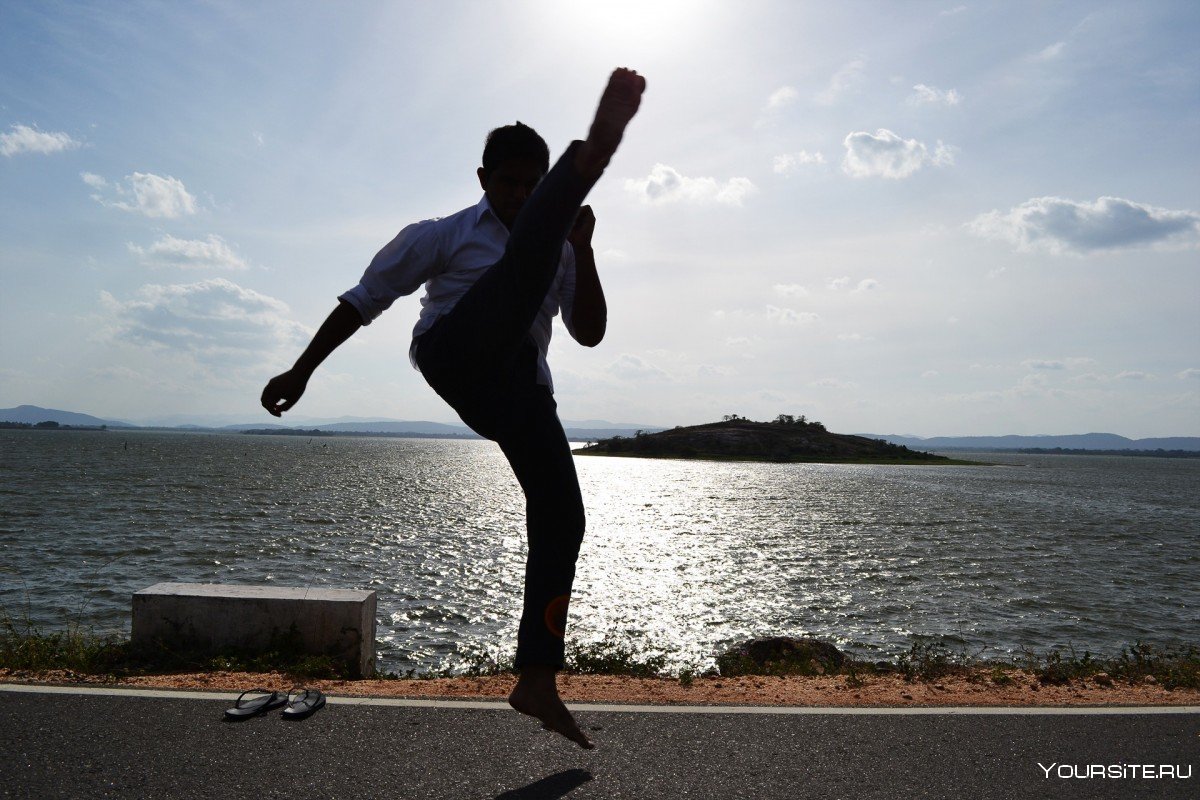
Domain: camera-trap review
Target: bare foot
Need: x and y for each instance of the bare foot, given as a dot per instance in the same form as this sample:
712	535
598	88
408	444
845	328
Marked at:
536	695
617	106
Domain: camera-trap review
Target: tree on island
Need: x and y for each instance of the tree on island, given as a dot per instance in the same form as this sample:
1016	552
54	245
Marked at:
782	419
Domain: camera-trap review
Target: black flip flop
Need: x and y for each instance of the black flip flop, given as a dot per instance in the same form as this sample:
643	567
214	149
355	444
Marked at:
303	703
264	700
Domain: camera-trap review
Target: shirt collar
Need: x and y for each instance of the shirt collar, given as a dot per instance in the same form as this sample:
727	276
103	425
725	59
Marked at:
483	208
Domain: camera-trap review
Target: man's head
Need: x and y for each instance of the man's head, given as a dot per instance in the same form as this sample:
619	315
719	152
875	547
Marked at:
514	159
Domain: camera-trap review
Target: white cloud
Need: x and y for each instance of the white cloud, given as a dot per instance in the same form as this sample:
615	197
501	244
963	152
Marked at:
854	337
780	99
932	96
783	96
864	285
1189	373
714	371
790	290
943	155
210	253
1059	225
884	154
845	79
632	367
211	320
1058	363
930	373
1129	375
788	163
144	193
662	354
1052	52
24	139
834	383
949	12
665	185
152	379
787	316
774	314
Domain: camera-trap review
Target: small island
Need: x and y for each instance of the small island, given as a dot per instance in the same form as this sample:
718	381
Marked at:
786	440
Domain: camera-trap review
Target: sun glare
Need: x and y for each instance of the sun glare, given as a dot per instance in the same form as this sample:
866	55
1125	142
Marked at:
629	28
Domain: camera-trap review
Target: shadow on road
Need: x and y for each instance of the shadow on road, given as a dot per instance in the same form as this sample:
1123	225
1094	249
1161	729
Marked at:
551	787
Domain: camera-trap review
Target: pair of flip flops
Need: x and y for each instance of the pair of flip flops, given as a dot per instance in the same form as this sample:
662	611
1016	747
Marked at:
300	703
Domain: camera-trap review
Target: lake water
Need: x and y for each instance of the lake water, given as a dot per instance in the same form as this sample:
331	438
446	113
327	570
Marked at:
681	558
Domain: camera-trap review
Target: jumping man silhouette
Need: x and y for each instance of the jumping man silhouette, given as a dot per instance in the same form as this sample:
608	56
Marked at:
495	274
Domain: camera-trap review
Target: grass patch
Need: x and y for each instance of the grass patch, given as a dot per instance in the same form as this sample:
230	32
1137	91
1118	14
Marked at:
1177	667
614	657
929	661
25	647
1172	667
607	657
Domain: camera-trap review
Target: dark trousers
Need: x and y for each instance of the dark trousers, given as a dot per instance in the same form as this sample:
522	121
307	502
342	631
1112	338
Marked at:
481	359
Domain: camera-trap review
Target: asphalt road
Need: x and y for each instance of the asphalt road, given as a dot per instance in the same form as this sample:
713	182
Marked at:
57	745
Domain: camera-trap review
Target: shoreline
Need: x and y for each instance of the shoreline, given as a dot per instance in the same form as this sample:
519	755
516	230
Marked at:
943	461
974	688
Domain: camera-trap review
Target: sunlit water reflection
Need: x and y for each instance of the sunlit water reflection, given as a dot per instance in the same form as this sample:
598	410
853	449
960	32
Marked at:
681	558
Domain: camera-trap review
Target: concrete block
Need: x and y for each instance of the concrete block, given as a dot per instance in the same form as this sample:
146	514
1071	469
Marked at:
210	617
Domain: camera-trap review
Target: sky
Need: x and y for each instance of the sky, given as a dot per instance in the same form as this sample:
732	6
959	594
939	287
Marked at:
909	218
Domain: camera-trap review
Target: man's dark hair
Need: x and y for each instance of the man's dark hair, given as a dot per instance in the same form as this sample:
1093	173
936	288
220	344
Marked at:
515	142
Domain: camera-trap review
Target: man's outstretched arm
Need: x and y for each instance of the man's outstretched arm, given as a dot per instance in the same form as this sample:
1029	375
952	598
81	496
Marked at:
589	314
284	391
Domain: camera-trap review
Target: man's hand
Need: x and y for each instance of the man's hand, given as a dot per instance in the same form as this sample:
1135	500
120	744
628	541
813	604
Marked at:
580	236
284	391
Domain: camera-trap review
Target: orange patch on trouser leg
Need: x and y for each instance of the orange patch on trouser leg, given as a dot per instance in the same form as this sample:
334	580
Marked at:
556	615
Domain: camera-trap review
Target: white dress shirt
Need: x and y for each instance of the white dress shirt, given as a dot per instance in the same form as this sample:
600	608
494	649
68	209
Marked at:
448	254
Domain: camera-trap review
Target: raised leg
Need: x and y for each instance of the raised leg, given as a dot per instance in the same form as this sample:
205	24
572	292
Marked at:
620	101
490	322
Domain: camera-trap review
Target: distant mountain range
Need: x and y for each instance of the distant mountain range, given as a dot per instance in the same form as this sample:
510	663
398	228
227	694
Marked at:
596	429
576	429
1080	441
32	415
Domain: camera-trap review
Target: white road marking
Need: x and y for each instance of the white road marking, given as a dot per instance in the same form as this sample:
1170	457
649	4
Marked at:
499	705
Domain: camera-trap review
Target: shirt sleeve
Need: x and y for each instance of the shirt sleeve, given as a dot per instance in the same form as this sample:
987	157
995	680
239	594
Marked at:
399	269
566	290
